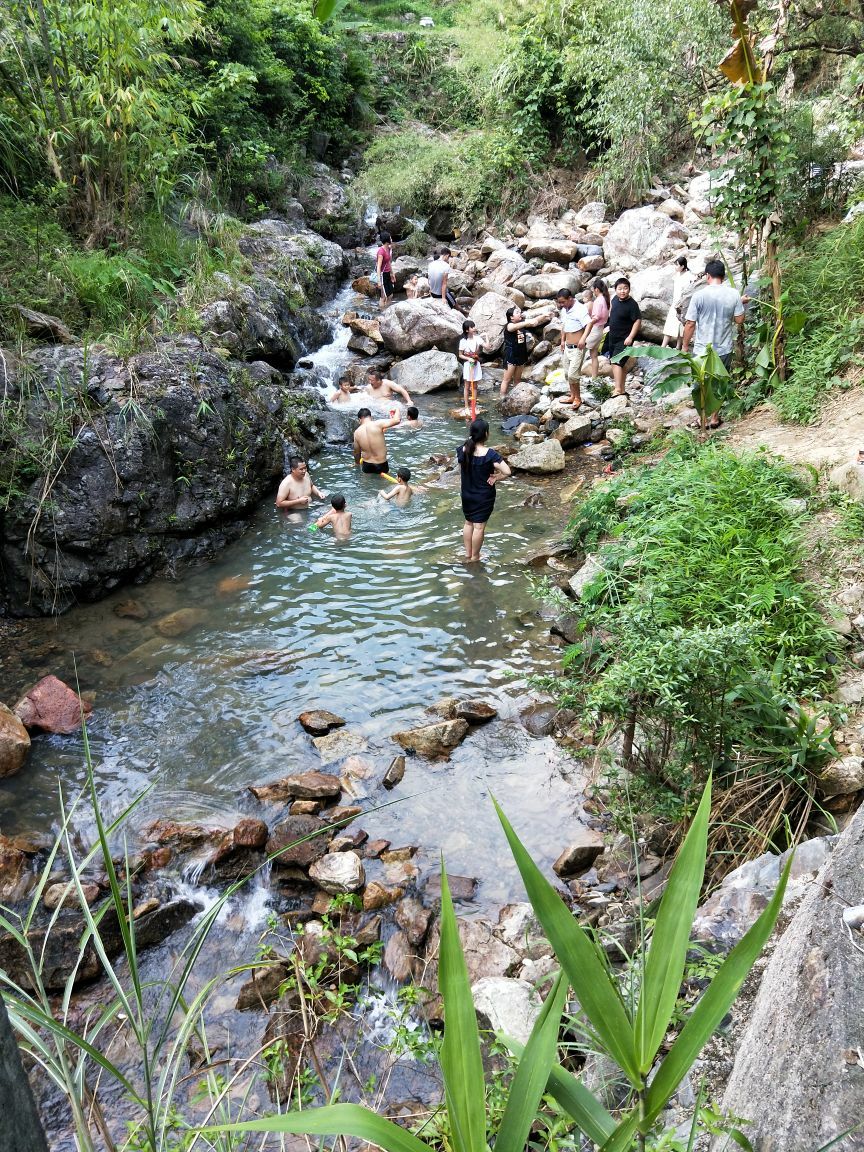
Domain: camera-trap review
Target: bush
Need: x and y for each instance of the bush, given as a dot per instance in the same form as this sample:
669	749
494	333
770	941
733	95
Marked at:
826	280
700	637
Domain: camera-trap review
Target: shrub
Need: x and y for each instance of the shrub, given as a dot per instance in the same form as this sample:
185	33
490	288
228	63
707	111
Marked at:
701	639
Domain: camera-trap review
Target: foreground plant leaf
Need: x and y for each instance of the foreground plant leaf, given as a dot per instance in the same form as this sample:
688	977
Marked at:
570	1093
335	1120
581	959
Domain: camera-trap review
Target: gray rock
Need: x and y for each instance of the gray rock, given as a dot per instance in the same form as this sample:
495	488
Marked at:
546	285
594	212
580	580
842	776
414	919
339	744
849	478
547	456
580	854
410	326
434	741
614	406
490	316
298	840
427	372
299	786
43	326
506	1005
504	266
394	773
550	248
641	237
398	957
798	1077
462	888
577	430
14	742
338	873
520	400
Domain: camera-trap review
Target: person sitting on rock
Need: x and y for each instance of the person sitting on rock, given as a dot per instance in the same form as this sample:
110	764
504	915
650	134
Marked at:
381	390
338	518
438	272
343	394
370	447
297	488
412	286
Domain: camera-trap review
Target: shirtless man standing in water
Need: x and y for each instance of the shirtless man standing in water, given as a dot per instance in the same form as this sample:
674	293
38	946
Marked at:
370	447
382	390
297	488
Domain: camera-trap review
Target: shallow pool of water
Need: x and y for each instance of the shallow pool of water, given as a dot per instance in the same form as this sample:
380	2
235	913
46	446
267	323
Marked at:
375	628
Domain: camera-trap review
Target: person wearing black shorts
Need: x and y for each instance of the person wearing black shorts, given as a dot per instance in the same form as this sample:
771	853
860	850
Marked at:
384	268
625	320
515	352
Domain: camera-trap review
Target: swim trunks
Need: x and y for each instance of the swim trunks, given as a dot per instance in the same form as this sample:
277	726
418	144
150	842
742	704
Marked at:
375	469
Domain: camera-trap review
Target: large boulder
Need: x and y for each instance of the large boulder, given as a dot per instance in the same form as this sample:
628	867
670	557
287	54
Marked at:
643	236
427	372
557	249
576	430
411	326
652	288
520	400
14	742
394	222
52	706
546	285
405	267
798	1077
594	212
504	266
547	456
490	316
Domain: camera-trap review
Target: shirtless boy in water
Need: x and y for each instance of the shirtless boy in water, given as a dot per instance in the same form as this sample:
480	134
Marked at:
338	518
402	491
297	488
370	447
343	394
382	390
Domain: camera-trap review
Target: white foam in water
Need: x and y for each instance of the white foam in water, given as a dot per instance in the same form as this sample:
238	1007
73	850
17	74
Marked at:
331	359
251	902
383	1017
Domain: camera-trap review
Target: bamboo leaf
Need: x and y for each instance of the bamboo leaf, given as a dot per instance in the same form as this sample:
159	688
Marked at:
335	1120
532	1073
461	1061
621	1139
713	1006
664	966
580	958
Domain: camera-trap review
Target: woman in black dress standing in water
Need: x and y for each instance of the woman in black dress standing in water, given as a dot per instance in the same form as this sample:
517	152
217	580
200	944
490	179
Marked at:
481	469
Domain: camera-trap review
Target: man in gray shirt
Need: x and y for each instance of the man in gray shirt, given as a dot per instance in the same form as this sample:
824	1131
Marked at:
713	314
438	272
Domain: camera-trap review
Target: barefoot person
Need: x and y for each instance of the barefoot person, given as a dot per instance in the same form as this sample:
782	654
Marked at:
574	320
384	268
481	469
338	518
625	320
515	352
370	447
382	390
470	347
297	488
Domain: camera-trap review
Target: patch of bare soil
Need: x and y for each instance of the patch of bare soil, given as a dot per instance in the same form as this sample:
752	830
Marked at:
834	438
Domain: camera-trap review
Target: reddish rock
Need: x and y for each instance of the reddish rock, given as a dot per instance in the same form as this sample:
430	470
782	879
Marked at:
180	622
374	848
580	855
14	742
15	877
461	887
319	721
399	855
303	786
344	814
434	741
305	807
52	706
394	773
157	858
475	711
250	833
231	584
131	610
185	836
413	919
311	833
66	894
398	957
379	896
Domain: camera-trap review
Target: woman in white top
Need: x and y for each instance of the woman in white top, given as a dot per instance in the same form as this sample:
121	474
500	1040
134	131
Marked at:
673	329
470	347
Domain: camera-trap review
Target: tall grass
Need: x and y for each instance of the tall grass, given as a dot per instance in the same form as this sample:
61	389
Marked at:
826	280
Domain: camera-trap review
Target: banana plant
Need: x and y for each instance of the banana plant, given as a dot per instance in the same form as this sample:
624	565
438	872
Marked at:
631	1035
706	376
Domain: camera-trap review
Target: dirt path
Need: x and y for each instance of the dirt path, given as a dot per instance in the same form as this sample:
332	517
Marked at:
834	439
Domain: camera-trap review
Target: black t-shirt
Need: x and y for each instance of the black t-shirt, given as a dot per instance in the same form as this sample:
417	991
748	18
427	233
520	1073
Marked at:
623	314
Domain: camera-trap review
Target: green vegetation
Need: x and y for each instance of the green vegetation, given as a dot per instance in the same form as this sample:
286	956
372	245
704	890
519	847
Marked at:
701	641
626	1018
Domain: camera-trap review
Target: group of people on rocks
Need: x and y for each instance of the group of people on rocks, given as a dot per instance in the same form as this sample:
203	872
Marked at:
599	324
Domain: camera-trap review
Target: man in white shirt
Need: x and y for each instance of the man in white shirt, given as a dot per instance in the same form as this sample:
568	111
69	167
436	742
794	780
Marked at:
574	319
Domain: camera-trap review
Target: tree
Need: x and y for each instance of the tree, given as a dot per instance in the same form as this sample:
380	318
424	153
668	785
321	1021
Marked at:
95	85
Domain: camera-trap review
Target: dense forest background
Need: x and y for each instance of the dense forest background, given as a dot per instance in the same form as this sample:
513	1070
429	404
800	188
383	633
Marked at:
135	136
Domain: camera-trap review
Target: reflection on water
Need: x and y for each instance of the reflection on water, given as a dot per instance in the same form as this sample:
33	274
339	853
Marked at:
376	628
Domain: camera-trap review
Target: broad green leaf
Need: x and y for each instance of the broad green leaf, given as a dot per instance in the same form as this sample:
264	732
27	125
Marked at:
581	1105
621	1139
713	1005
664	966
713	365
653	351
794	321
461	1061
334	1120
581	959
532	1072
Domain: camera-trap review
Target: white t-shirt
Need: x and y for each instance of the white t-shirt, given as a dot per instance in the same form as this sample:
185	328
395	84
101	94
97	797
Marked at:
471	369
574	318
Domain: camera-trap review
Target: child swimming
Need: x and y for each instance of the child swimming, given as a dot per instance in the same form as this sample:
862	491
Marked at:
338	518
402	491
